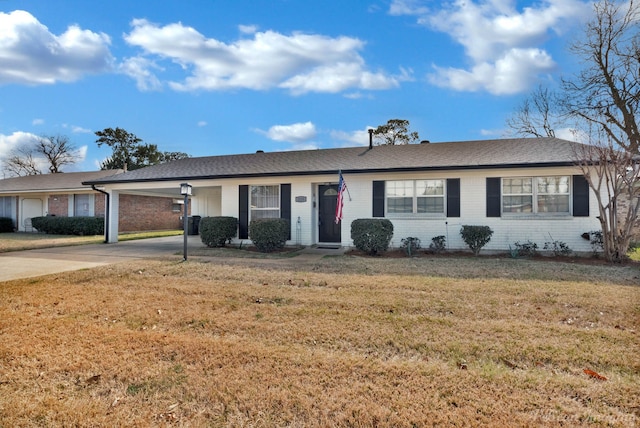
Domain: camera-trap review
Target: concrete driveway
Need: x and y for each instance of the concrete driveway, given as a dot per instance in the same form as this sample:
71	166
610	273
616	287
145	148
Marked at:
30	263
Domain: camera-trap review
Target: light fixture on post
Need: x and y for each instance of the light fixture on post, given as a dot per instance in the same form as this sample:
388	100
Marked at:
185	190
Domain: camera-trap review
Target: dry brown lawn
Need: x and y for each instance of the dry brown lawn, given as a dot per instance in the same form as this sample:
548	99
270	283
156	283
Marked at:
343	341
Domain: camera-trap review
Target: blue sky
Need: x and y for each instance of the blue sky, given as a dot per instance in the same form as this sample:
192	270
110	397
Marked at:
212	77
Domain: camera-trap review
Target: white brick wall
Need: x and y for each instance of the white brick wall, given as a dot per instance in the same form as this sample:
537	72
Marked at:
507	231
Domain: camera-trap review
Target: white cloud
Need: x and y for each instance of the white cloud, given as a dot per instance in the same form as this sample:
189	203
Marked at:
348	139
295	133
36	122
202	123
139	69
32	55
514	73
503	44
248	29
298	62
15	140
407	7
80	130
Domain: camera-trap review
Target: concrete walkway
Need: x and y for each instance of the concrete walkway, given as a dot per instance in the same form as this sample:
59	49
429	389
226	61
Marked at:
30	263
45	261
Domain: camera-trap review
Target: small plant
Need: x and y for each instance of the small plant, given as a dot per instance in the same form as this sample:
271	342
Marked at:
217	231
438	244
410	245
526	249
371	235
269	234
597	244
513	252
558	248
476	237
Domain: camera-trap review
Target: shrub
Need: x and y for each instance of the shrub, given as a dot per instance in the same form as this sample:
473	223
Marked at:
269	234
438	244
217	231
410	245
476	237
558	248
526	249
69	225
6	225
372	235
595	239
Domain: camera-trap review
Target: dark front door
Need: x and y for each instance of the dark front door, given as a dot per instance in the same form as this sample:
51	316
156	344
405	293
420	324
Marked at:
329	231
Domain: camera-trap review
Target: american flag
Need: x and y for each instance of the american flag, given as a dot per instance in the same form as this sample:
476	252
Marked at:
342	186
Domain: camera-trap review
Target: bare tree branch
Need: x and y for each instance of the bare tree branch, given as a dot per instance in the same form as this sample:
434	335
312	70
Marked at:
606	92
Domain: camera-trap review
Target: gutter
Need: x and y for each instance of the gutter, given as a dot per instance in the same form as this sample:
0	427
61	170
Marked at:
106	212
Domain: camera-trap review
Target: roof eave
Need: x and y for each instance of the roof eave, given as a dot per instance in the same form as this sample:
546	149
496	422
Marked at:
334	171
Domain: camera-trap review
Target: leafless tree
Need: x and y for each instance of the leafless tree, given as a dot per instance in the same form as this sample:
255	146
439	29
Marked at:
537	116
58	151
614	177
21	162
50	152
606	92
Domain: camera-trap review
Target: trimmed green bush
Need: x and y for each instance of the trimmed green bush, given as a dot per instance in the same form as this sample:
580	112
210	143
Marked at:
83	226
6	225
217	231
476	237
372	235
269	234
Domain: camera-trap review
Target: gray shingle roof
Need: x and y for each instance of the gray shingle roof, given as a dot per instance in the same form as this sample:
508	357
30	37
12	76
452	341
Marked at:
52	182
519	152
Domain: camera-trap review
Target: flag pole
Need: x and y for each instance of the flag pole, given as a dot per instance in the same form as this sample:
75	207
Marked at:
345	184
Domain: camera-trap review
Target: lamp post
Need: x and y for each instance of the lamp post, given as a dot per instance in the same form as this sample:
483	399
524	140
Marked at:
185	190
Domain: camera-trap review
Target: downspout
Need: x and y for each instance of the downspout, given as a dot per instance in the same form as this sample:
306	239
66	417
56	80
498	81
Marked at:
106	212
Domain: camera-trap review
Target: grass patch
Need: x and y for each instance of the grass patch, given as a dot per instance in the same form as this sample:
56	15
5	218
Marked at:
28	241
339	342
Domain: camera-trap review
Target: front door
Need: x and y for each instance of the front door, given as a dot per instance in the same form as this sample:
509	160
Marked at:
328	231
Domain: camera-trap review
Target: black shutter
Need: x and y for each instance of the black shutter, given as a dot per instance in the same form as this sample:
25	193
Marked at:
285	204
493	197
243	210
378	199
453	197
580	196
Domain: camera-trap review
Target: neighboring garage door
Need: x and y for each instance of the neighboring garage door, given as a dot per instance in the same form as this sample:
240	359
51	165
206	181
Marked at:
31	207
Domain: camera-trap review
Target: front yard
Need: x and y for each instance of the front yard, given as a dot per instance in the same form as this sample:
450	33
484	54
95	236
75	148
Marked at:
342	341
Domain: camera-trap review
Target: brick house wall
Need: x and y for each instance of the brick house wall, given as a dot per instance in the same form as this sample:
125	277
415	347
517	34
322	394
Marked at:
139	213
623	204
99	204
58	205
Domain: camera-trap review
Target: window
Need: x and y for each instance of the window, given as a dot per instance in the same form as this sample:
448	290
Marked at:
536	194
415	197
264	202
6	207
82	205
